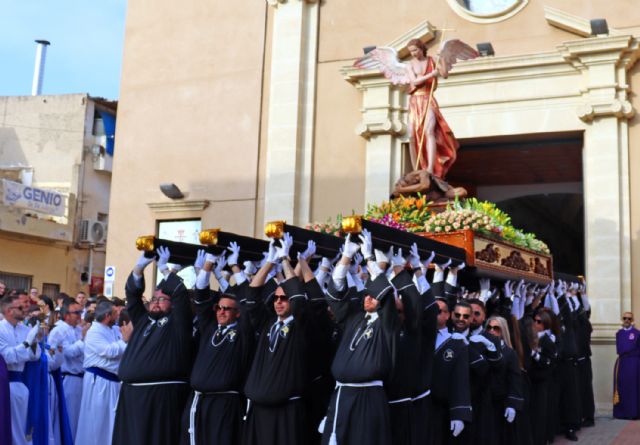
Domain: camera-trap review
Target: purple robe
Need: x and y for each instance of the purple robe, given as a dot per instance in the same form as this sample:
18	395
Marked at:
626	379
5	404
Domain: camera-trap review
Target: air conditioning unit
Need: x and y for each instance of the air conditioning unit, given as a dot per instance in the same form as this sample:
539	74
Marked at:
92	231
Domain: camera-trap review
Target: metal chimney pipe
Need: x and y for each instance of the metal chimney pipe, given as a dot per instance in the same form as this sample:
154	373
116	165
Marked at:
38	73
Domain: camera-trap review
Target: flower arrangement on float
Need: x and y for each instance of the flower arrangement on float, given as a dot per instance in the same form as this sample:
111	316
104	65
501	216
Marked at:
413	214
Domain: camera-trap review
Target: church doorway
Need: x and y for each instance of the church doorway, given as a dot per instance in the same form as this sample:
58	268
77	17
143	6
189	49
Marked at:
537	179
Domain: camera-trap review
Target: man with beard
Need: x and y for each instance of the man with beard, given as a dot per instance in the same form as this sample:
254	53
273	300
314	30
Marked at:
155	366
451	406
18	345
214	411
70	336
101	385
359	411
280	372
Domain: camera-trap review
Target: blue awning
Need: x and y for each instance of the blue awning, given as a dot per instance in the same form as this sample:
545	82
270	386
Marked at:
109	122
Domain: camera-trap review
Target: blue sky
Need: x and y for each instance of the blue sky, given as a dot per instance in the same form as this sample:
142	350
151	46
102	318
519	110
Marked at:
85	55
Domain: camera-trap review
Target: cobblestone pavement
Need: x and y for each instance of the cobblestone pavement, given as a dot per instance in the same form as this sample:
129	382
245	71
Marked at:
607	431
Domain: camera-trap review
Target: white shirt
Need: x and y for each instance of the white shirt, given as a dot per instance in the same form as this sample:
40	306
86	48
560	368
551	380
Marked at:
443	335
11	347
72	346
116	330
102	349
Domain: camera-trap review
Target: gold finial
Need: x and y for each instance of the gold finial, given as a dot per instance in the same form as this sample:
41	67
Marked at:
274	229
209	237
352	224
145	243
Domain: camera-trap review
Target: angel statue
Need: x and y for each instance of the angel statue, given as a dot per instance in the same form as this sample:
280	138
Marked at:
433	146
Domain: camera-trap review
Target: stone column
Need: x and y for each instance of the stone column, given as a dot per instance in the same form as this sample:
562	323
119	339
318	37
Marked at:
291	111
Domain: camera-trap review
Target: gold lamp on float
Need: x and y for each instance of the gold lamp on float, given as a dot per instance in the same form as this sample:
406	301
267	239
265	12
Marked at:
209	237
274	229
352	224
145	243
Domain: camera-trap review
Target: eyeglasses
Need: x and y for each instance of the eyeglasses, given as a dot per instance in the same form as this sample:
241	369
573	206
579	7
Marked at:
459	315
281	298
538	321
224	308
627	318
494	328
160	299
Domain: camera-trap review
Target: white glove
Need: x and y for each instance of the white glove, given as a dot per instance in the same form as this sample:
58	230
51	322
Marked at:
381	257
414	257
33	333
442	267
285	245
510	414
350	248
585	301
200	258
508	291
235	253
485	285
143	261
457	268
310	251
459	336
374	270
366	245
163	254
249	267
520	289
429	260
398	260
272	253
456	427
221	261
484	340
515	307
202	280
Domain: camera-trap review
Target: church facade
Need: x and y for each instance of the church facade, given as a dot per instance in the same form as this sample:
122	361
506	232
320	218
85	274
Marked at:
256	113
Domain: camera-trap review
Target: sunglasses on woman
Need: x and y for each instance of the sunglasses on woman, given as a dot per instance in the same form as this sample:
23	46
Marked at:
494	328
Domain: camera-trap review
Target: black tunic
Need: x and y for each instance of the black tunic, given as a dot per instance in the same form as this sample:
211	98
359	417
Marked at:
585	371
158	351
541	375
506	392
279	374
365	354
450	390
218	375
568	384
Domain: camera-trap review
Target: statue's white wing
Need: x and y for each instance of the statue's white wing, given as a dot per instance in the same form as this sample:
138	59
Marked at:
450	52
385	59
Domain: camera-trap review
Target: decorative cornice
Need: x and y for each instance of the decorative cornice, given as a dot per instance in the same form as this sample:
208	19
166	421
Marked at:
179	206
571	23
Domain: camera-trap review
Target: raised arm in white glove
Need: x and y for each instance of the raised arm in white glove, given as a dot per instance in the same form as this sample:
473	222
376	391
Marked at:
485	286
232	260
163	259
141	264
452	276
309	251
366	245
438	275
484	340
200	259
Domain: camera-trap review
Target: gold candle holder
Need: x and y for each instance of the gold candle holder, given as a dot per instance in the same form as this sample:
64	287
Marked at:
352	224
145	243
209	237
274	229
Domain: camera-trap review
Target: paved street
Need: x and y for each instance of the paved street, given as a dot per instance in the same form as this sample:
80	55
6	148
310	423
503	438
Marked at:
607	431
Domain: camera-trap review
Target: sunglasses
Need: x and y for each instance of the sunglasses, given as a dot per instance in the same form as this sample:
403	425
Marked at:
224	308
160	299
459	315
494	328
627	319
281	298
538	321
76	312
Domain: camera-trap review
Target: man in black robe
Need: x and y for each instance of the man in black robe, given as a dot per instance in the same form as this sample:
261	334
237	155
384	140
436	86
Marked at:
585	371
358	412
216	406
450	410
156	364
279	375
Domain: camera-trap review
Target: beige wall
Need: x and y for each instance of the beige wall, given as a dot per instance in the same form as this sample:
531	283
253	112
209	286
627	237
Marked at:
634	183
189	113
